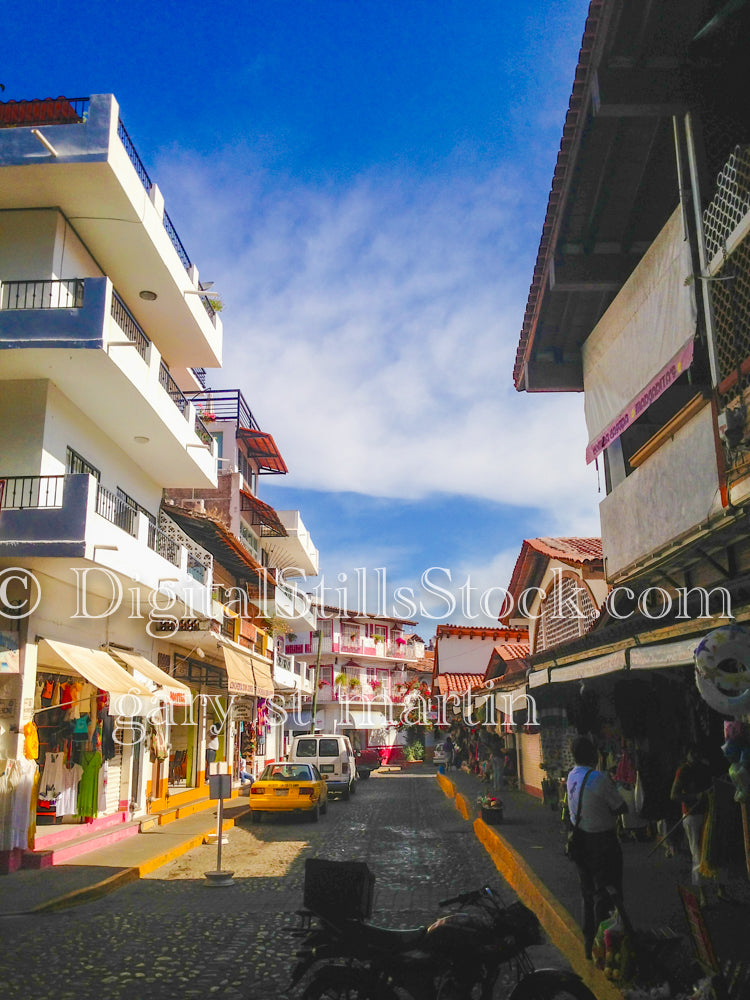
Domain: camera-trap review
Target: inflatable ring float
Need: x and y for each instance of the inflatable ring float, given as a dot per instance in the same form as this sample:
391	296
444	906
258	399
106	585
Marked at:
722	670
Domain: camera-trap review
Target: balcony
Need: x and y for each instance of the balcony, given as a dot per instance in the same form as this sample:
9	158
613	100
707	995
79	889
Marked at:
296	553
94	174
364	646
75	517
104	362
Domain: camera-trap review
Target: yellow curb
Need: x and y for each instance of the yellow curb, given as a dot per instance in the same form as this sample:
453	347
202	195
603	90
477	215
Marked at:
88	892
559	925
447	785
187	845
462	805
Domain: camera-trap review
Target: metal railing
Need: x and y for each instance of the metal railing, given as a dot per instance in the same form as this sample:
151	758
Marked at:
200	374
116	510
225	404
163	544
203	433
129	325
46	111
174	392
63	293
31	492
133	156
176	242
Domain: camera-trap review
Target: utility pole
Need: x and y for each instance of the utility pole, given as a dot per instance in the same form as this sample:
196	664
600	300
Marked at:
316	680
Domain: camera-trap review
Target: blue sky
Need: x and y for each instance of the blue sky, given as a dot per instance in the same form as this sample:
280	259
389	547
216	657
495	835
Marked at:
366	184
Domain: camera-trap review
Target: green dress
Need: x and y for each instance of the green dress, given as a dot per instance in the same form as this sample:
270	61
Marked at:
88	787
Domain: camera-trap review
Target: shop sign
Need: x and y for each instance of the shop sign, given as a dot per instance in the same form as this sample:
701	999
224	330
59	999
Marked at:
242	711
9	655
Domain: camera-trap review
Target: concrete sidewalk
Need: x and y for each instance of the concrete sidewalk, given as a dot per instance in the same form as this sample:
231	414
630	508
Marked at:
99	872
533	836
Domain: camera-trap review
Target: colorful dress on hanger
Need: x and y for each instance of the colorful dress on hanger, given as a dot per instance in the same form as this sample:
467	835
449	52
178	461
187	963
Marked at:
88	787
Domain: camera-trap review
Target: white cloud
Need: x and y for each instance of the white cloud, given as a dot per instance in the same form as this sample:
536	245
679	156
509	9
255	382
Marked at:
372	325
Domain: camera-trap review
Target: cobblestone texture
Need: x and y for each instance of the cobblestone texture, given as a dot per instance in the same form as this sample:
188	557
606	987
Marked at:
173	936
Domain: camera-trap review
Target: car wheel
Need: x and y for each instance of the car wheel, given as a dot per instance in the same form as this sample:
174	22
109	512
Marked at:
364	775
254	816
324	807
315	814
353	788
346	794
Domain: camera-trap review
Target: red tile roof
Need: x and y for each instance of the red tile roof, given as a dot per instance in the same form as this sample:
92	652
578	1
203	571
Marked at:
458	683
536	551
512	650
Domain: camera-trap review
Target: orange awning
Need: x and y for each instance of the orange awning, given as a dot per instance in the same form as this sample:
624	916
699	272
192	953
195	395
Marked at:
263	514
262	447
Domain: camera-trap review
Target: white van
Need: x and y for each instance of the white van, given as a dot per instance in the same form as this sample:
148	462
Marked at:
332	755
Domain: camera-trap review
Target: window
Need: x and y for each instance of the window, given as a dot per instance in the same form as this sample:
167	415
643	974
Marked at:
307	748
328	748
558	621
75	464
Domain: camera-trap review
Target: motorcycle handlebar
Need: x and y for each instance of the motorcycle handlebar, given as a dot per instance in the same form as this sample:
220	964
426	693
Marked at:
461	898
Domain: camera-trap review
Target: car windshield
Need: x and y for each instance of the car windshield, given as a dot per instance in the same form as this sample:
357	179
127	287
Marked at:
287	772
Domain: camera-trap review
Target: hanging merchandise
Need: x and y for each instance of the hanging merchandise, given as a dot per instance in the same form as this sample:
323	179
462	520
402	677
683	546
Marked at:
30	741
88	787
158	745
722	670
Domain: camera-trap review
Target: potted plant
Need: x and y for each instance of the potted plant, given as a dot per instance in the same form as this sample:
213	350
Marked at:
341	679
354	683
490	808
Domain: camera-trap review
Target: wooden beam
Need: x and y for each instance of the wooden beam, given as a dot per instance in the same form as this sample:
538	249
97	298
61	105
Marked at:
595	272
641	92
552	376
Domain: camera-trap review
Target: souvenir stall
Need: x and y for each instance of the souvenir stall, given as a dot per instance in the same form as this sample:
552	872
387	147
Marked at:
80	694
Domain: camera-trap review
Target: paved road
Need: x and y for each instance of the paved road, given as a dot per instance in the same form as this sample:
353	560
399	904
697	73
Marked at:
173	936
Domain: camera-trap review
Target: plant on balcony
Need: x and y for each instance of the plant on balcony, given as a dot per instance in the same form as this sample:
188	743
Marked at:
216	303
378	639
376	687
322	684
400	641
354	683
341	680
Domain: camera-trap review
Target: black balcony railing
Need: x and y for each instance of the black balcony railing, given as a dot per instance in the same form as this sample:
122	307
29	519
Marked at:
133	156
174	392
116	510
200	374
203	432
48	111
176	242
30	492
163	544
65	293
129	325
224	404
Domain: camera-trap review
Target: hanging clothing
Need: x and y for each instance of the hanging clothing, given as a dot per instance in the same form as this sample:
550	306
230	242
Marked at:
108	737
30	741
88	787
52	782
16	786
66	803
102	794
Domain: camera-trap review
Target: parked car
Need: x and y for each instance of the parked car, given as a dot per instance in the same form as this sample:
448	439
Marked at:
285	788
333	756
440	754
368	760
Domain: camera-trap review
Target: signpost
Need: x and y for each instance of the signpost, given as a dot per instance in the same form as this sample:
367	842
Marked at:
220	787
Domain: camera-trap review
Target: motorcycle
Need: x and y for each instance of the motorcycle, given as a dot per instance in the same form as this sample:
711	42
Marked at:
458	957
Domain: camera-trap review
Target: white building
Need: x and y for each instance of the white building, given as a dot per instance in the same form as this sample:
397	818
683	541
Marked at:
102	323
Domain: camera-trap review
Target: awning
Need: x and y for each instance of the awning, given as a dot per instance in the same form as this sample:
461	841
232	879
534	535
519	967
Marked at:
367	720
608	664
262	514
666	654
247	674
99	669
176	692
263	449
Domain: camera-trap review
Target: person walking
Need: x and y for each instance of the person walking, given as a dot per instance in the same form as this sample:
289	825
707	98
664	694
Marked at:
595	806
449	751
497	762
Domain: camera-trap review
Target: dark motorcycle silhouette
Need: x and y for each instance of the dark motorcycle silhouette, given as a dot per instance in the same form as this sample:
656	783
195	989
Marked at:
458	957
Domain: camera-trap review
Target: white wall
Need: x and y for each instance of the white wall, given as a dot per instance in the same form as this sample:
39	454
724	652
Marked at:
22	406
65	426
41	243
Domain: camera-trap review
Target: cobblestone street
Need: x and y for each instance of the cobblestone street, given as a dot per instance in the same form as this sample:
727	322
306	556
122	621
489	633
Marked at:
172	935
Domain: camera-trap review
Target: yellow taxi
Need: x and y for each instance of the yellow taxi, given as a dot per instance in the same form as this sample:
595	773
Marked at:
286	788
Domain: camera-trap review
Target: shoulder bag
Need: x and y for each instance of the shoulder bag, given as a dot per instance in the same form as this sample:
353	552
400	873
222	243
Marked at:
574	850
